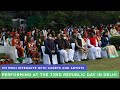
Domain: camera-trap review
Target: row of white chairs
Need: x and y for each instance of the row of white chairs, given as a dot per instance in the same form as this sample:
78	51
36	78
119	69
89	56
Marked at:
77	55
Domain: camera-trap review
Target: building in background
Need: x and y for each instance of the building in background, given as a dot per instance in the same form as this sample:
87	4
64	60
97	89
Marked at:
19	23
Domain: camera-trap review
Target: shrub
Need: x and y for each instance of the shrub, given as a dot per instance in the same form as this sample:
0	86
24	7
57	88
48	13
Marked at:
8	23
2	23
115	40
85	22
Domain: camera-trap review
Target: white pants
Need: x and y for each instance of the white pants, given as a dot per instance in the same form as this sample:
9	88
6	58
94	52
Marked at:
63	56
70	54
82	55
96	51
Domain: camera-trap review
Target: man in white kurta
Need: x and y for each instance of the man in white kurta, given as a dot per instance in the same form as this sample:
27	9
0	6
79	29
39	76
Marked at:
93	47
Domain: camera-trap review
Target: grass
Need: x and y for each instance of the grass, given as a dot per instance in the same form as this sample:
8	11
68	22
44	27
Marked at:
105	64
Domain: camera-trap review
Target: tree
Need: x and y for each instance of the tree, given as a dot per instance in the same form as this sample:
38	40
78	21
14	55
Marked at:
8	23
1	20
59	18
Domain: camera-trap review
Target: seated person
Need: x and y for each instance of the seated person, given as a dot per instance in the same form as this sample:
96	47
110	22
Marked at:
38	41
56	41
80	45
62	49
16	42
68	47
93	45
32	50
73	37
111	50
114	32
50	47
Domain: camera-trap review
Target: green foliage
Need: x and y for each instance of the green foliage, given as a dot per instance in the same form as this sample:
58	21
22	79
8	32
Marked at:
57	20
5	20
85	22
115	40
8	23
37	21
2	23
60	19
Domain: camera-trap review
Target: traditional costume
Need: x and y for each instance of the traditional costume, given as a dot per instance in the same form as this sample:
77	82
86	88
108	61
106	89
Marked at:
32	50
114	32
80	45
16	42
93	47
111	50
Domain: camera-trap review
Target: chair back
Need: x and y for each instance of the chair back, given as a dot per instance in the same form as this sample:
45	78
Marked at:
73	46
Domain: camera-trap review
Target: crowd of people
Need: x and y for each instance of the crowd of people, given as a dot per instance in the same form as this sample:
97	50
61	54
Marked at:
86	39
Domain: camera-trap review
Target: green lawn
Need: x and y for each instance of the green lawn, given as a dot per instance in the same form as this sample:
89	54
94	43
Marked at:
102	64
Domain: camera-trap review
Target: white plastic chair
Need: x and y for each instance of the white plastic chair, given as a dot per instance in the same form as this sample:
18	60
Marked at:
91	55
77	56
54	59
57	47
25	51
27	61
73	46
104	53
46	59
16	54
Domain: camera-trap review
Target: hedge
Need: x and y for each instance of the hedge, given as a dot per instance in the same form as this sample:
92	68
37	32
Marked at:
115	40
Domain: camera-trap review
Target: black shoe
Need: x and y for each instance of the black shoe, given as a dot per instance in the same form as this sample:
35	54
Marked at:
83	59
98	58
60	63
67	62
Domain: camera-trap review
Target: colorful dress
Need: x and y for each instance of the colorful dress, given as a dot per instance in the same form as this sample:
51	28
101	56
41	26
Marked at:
111	50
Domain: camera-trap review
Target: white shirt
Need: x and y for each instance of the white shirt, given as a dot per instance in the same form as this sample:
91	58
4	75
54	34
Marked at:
90	45
113	32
